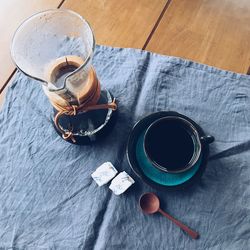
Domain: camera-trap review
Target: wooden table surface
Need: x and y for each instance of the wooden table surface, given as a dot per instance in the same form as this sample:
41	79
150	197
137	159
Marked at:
214	32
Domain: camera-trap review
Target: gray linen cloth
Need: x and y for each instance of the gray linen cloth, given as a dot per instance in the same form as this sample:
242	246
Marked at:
49	201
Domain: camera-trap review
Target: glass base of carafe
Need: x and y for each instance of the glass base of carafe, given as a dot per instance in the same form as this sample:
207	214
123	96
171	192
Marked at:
88	127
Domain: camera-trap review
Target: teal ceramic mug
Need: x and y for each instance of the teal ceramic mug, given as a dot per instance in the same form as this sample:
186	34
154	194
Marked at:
172	144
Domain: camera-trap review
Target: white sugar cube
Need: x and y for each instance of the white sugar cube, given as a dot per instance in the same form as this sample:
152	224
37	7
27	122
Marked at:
121	183
104	173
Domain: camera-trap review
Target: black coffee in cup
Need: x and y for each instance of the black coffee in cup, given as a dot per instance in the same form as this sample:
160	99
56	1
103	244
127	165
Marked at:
170	143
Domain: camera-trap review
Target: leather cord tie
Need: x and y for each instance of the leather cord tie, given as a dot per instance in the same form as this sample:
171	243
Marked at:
87	105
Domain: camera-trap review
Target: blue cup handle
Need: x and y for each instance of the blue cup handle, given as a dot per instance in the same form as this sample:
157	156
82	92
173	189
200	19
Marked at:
207	139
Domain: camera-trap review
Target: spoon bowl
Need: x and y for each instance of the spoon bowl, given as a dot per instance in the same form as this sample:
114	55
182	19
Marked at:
149	203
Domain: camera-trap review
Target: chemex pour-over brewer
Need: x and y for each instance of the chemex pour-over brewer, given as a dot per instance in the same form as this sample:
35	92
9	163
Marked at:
56	48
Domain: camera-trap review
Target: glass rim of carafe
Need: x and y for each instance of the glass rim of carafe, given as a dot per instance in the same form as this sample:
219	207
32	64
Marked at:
46	83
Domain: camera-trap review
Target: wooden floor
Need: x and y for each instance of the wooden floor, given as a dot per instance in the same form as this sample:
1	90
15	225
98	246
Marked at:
214	32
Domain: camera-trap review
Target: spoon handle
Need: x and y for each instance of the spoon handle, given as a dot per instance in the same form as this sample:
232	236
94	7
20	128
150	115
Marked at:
188	230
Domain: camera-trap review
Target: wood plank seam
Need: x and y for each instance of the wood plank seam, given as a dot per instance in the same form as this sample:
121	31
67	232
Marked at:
156	23
7	81
60	4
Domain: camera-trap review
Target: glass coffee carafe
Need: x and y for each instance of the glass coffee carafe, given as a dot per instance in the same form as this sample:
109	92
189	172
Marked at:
56	47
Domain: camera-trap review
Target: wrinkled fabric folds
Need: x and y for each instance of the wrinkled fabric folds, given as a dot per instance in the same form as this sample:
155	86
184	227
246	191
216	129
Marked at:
49	201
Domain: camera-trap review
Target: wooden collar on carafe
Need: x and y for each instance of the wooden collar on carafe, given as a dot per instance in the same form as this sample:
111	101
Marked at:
90	92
